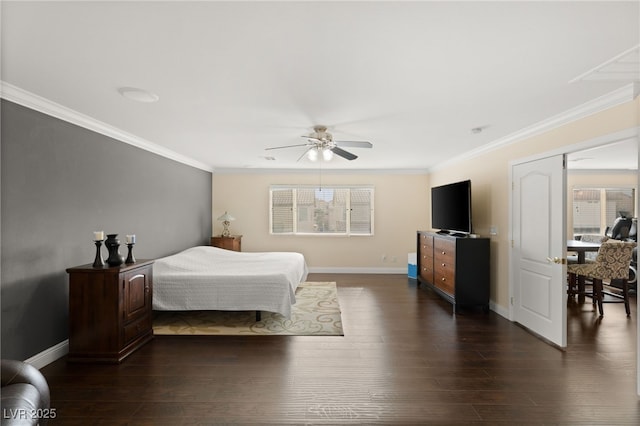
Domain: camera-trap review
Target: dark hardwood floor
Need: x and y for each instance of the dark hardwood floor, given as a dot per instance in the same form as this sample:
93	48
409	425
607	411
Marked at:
404	359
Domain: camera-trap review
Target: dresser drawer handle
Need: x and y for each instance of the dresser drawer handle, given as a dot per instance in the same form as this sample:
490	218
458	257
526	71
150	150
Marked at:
444	265
444	279
444	252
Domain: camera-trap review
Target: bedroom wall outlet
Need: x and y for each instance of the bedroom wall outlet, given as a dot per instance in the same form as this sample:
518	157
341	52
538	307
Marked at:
493	230
384	257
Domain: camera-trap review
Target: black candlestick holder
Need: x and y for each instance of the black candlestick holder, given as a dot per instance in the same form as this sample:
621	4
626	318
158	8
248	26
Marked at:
98	262
130	258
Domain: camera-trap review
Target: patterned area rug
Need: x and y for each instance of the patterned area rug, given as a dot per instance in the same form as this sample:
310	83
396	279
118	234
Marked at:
316	313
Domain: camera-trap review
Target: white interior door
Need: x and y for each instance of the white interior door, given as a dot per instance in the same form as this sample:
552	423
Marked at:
538	221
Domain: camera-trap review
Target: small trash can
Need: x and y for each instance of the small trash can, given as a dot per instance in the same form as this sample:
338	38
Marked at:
412	259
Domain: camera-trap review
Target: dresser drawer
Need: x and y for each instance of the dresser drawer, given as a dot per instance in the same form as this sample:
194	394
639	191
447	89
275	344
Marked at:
444	262
426	241
136	328
444	265
444	279
444	248
426	263
426	270
425	254
426	248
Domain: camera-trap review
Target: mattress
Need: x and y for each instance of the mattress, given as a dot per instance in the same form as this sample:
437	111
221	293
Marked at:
211	278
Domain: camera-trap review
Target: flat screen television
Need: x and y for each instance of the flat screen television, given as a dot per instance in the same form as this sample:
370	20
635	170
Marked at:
451	208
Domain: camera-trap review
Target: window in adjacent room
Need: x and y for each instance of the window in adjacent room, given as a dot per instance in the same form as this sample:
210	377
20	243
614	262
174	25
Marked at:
334	210
596	208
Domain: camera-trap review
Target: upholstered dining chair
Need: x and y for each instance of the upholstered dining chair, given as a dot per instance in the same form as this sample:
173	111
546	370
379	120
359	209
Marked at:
593	238
611	263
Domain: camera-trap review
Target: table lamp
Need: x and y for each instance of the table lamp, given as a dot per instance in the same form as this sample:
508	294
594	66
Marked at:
226	219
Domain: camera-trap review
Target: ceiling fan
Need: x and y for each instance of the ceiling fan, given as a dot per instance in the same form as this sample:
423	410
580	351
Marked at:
321	142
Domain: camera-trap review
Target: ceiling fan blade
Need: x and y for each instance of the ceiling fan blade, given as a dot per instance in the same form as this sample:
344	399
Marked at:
344	154
286	146
355	144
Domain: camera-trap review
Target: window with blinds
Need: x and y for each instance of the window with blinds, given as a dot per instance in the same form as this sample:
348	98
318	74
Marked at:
596	208
307	210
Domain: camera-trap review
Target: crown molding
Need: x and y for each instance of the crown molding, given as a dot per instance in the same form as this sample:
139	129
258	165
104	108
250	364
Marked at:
37	103
620	96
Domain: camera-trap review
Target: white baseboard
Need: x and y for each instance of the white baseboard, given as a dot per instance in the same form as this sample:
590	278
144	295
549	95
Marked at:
47	356
499	310
356	270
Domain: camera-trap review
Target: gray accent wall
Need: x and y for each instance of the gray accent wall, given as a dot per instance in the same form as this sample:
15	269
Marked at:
60	183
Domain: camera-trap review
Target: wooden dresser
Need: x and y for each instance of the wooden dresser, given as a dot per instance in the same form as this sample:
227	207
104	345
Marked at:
110	311
457	268
232	242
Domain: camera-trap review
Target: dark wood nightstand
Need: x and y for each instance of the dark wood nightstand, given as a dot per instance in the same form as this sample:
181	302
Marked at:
110	311
232	242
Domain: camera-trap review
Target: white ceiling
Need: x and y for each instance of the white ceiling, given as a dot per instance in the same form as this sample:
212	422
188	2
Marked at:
621	155
234	78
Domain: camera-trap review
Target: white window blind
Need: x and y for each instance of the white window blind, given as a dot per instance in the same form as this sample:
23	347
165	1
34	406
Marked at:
281	211
361	211
586	211
307	210
596	208
620	202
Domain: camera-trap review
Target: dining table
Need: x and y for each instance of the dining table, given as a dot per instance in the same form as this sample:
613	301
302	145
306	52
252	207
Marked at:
581	248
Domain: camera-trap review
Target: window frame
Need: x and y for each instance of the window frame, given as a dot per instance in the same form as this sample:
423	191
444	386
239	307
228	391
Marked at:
348	210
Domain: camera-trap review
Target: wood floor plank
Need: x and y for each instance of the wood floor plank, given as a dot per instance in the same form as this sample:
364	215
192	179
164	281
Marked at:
404	359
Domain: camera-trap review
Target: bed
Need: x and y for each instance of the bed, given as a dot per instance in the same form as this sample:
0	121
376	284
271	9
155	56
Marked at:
211	278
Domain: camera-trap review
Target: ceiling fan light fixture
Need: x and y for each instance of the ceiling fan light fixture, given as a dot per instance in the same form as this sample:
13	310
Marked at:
327	154
321	142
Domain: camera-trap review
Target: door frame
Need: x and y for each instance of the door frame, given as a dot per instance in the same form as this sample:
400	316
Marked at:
630	133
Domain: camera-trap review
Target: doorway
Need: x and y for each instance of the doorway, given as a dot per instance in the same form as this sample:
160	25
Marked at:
605	147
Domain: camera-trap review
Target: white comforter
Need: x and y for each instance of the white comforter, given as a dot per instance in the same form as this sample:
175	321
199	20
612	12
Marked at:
210	278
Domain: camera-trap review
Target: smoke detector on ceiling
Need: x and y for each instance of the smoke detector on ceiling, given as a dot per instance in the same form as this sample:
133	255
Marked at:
138	95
